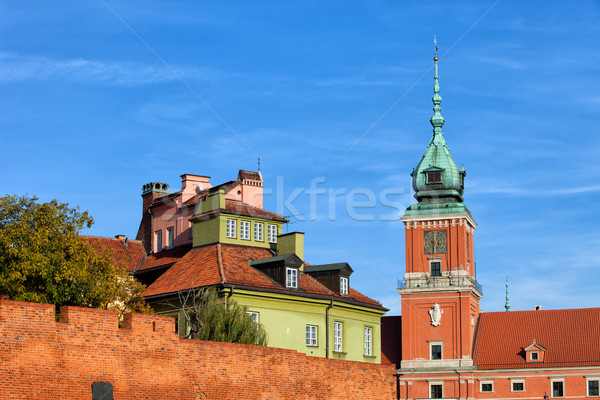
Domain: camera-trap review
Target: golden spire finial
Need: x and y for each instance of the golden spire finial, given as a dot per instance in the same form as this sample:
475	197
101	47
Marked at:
435	44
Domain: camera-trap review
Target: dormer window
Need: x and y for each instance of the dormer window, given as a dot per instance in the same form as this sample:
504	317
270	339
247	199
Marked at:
291	280
534	353
343	285
434	177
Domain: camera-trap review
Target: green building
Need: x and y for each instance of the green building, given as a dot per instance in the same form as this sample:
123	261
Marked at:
221	237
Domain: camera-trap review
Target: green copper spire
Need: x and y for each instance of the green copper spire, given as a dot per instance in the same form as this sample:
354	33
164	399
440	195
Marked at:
507	304
437	181
436	120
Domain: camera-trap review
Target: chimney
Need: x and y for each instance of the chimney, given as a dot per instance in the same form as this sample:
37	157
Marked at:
192	185
120	237
292	242
150	192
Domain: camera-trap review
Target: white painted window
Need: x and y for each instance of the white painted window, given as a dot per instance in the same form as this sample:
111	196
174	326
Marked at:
436	390
231	228
558	388
593	385
343	285
258	231
368	341
311	335
337	336
517	385
253	315
272	233
158	245
170	237
435	349
486	386
291	279
245	230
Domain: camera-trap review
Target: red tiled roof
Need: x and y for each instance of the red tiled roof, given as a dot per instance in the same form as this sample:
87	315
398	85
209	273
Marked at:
163	258
227	264
239	208
570	337
128	253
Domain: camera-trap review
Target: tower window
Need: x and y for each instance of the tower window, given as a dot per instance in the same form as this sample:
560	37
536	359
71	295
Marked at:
436	268
436	351
434	177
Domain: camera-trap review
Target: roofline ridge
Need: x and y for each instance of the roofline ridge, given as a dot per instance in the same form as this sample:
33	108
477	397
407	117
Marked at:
220	262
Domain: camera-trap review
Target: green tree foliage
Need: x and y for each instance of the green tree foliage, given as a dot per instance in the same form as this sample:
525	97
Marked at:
210	317
44	259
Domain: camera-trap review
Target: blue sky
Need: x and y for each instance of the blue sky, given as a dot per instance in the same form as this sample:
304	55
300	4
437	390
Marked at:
90	114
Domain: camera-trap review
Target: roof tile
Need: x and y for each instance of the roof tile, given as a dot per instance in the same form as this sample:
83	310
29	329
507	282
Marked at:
128	253
503	336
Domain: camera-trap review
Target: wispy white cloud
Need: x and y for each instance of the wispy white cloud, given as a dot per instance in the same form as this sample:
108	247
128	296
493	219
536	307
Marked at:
16	67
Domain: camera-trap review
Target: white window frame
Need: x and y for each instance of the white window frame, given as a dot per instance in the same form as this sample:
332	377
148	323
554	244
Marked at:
436	383
587	385
272	233
344	285
368	341
552	382
338	328
158	245
435	260
254	316
311	335
231	228
259	228
536	354
513	381
487	382
291	278
170	237
436	343
245	230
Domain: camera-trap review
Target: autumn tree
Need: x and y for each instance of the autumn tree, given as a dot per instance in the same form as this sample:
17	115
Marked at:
44	259
210	317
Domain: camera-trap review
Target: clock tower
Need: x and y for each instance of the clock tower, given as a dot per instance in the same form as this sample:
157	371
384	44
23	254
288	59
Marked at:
440	295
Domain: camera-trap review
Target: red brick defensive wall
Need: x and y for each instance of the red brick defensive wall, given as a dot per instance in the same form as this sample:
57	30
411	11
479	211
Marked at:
44	359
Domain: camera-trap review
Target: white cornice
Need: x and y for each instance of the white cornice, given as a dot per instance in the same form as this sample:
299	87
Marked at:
440	217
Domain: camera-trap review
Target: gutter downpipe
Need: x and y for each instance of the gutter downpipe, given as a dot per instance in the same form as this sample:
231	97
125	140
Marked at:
329	307
228	296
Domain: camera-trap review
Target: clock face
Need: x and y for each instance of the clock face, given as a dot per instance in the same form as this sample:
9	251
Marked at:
435	242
